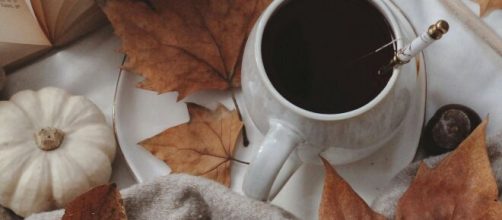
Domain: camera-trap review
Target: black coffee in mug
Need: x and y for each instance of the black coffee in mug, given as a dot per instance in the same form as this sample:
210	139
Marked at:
312	51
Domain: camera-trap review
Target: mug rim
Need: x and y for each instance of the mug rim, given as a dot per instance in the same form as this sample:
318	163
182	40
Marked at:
262	23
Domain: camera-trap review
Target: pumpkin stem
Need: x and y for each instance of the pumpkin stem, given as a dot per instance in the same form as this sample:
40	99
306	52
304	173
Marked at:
49	138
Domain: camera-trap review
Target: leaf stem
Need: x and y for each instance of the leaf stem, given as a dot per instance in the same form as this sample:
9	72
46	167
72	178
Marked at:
239	161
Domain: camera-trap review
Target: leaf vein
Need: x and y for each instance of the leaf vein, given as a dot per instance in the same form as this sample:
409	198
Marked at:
213	168
218	46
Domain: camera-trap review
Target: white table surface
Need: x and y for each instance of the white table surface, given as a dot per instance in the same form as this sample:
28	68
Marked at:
461	69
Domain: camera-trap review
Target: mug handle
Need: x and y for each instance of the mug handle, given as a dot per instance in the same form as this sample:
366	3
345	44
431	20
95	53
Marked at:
278	143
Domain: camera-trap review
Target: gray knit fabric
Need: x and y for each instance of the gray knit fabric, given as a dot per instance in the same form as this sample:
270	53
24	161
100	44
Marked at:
184	197
386	202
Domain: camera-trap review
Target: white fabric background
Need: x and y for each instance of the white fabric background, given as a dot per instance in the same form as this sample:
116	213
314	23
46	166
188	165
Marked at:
461	68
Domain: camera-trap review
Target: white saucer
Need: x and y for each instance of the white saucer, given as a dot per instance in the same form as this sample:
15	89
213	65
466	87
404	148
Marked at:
139	114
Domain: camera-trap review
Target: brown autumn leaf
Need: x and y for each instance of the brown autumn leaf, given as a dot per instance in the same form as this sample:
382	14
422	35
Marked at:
461	186
204	146
485	6
184	45
339	201
100	203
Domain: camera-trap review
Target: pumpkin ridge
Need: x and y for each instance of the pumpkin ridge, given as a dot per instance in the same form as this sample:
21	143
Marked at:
26	153
82	171
58	121
95	145
55	156
52	109
13	144
69	170
47	165
12	182
21	162
85	110
37	161
31	120
82	123
103	146
76	167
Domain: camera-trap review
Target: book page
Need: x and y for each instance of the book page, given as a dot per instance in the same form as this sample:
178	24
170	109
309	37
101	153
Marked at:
12	54
67	12
52	8
18	25
38	10
86	22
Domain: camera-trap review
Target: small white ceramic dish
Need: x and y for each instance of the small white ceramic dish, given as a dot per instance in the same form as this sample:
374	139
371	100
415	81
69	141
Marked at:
139	114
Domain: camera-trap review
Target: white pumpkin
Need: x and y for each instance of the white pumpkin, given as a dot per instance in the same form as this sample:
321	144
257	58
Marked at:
53	147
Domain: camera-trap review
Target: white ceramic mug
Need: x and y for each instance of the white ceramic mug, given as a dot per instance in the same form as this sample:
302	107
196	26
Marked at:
356	133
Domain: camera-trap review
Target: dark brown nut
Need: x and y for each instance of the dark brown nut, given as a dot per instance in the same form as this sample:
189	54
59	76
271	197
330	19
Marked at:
449	126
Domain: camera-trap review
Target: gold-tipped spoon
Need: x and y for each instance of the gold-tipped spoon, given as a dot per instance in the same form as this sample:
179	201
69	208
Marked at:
405	54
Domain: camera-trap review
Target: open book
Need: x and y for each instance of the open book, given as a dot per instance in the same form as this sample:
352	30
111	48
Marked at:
31	27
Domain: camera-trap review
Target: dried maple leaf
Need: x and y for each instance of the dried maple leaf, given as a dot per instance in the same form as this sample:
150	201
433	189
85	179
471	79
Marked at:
204	146
184	45
100	203
486	6
461	186
339	201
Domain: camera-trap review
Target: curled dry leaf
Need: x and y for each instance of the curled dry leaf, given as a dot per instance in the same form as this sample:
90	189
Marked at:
485	6
100	203
461	186
204	146
184	45
339	201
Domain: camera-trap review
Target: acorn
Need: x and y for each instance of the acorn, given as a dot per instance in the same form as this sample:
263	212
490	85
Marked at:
449	126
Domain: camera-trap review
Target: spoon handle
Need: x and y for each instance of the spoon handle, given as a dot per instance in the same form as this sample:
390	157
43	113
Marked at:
405	54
